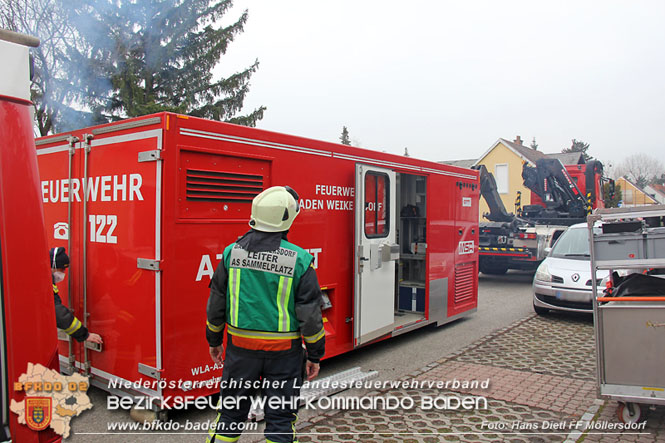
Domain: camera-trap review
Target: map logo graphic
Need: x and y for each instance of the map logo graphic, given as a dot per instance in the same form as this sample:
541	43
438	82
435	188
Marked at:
51	399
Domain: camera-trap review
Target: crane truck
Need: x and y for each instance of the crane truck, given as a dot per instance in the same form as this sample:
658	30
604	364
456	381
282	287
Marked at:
561	196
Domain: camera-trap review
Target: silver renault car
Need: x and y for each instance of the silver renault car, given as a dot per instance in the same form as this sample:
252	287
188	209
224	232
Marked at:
563	280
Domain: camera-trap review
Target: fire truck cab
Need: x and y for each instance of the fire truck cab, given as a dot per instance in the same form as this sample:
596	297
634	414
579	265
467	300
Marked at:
27	319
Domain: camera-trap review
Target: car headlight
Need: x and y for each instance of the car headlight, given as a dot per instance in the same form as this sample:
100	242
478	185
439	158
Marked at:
543	273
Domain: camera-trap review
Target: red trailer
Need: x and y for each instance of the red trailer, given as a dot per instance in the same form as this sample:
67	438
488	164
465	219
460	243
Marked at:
27	320
146	206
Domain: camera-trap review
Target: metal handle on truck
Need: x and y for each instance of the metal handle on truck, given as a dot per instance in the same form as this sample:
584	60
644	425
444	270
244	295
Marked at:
87	139
389	251
71	360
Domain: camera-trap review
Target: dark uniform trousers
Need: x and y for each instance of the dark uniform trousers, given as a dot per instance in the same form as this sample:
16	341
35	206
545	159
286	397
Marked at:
280	374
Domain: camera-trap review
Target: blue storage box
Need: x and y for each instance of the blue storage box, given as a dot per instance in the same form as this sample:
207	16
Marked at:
411	299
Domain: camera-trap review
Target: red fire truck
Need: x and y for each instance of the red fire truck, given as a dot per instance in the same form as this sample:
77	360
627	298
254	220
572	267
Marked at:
27	323
146	206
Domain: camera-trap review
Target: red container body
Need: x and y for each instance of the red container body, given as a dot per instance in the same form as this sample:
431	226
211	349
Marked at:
153	228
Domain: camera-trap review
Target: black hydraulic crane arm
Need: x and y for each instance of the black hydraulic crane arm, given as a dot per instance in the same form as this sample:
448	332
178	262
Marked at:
488	190
552	183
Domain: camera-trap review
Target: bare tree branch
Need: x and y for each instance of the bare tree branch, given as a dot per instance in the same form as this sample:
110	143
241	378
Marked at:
641	169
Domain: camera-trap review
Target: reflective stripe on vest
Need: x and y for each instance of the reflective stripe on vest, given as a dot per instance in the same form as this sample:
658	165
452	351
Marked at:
264	335
283	295
266	282
234	288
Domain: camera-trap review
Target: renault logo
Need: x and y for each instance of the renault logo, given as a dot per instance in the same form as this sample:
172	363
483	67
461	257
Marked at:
575	277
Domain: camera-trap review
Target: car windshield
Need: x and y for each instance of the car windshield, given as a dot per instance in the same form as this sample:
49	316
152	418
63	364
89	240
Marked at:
574	243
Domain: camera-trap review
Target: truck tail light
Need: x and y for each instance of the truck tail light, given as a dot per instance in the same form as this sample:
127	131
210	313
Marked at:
527	236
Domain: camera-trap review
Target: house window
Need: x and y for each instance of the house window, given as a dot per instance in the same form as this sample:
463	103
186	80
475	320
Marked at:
501	176
628	197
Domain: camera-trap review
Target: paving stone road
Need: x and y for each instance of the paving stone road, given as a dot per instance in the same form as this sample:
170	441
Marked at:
542	388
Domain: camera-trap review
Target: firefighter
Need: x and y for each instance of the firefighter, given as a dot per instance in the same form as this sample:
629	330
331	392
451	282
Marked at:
64	318
266	293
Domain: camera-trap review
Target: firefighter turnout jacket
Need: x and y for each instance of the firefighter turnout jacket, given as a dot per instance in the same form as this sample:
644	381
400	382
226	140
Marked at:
66	321
266	292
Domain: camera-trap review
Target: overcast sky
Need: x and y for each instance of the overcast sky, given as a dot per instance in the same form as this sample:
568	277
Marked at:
448	78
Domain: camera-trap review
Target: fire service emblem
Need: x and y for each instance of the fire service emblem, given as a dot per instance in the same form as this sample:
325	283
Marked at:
38	412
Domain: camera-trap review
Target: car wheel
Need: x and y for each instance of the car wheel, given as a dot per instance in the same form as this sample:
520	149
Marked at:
494	269
540	311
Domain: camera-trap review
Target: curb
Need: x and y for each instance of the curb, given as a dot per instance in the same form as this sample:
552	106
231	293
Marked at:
588	417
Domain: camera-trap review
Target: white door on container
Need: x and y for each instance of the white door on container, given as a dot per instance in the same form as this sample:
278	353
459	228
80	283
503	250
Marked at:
375	253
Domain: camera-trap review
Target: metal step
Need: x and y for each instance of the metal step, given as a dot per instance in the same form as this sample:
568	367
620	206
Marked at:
316	390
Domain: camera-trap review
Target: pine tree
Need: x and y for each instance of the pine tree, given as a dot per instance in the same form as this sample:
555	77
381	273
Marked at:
534	145
344	138
579	146
50	90
612	201
145	56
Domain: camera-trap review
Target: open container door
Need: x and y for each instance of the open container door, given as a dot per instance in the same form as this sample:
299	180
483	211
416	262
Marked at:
375	253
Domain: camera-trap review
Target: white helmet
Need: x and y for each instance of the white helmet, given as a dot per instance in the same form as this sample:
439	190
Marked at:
274	209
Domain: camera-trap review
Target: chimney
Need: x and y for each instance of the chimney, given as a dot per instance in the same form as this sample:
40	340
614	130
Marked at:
518	141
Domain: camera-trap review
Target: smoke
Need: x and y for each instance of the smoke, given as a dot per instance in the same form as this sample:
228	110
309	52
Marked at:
103	60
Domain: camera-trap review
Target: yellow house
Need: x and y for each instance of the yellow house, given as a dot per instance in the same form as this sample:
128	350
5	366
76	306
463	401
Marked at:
631	195
504	159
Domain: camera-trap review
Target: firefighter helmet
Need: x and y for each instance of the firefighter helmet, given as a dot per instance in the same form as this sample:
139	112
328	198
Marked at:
274	209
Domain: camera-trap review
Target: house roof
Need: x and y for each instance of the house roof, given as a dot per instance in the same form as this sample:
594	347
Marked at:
656	191
627	180
527	154
461	163
569	158
531	154
658	188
